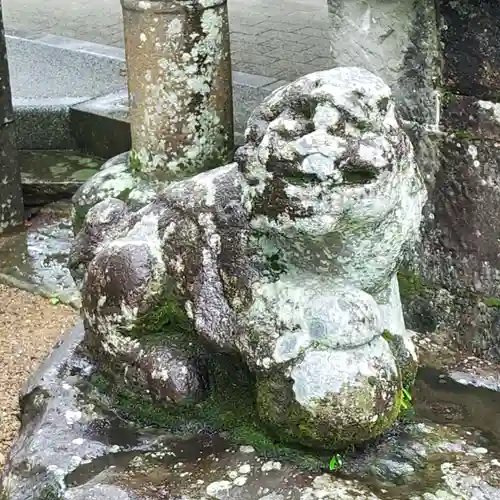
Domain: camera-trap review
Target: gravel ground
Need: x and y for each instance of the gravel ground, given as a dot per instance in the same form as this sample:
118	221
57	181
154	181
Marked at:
29	327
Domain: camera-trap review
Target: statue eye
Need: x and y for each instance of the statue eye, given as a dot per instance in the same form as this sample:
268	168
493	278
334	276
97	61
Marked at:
357	174
298	178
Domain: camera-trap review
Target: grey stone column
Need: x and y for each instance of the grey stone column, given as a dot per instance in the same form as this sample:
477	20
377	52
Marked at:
397	40
180	86
11	196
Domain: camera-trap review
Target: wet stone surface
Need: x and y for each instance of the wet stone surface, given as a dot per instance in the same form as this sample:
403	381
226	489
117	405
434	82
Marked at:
52	175
36	256
72	449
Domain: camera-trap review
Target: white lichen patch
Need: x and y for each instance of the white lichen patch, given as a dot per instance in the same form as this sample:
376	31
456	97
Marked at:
270	466
73	417
359	375
177	122
245	469
494	107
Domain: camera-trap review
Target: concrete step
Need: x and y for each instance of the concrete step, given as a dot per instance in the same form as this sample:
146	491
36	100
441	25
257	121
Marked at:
49	176
71	94
50	75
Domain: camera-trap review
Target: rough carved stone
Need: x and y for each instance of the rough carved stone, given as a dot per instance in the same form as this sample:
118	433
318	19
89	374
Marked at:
287	257
397	40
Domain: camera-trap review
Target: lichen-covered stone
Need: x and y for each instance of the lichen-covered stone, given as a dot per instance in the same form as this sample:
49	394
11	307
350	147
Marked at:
116	179
179	73
397	40
454	280
287	257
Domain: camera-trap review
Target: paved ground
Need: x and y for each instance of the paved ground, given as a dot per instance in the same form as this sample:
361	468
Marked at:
277	38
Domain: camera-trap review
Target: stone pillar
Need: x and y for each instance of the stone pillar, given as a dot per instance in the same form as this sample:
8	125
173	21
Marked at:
398	41
459	273
180	86
11	196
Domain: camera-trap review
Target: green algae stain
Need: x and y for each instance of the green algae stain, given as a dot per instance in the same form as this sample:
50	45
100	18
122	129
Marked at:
167	322
492	302
229	409
83	174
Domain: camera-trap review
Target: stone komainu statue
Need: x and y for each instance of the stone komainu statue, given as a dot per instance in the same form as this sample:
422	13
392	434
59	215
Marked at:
287	257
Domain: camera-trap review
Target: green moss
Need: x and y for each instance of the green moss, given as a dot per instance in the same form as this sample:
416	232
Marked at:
229	409
167	321
447	97
388	335
48	492
298	426
134	162
353	175
406	365
302	179
492	301
463	134
411	285
276	265
123	195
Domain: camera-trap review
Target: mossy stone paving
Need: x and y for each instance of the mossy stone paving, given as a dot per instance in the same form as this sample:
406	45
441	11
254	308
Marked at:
57	166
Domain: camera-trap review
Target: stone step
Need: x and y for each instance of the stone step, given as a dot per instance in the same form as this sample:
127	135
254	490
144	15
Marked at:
48	76
71	94
101	127
49	176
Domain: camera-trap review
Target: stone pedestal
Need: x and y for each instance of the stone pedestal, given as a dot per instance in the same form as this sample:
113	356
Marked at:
179	77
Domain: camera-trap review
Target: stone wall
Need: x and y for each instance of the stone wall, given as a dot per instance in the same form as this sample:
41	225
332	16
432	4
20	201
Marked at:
461	246
442	58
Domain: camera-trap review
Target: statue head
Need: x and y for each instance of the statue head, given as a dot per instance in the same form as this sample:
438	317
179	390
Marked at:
332	177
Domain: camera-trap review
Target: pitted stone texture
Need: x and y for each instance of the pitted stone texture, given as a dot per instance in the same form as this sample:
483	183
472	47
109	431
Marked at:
392	39
471	59
116	179
466	195
87	243
287	256
179	73
458	265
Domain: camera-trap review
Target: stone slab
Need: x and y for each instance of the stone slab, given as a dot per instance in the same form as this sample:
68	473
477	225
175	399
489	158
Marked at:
49	176
100	126
48	78
64	74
